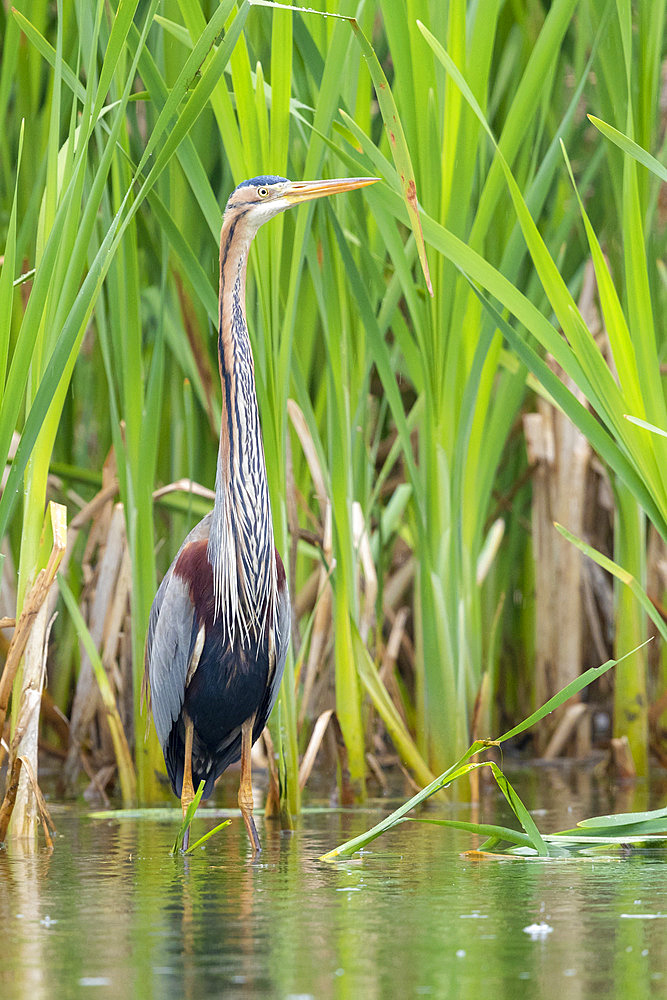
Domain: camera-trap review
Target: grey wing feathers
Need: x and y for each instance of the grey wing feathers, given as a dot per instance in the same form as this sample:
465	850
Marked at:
169	647
171	641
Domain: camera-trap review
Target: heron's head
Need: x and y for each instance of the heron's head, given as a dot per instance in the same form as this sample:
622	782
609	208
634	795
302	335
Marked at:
259	199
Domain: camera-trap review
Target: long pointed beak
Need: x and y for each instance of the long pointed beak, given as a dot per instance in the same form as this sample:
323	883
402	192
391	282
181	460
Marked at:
299	191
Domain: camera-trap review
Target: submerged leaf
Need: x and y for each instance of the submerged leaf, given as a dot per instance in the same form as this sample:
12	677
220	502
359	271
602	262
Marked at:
625	819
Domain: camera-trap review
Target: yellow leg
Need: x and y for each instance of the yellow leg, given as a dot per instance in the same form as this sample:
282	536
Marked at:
245	788
188	792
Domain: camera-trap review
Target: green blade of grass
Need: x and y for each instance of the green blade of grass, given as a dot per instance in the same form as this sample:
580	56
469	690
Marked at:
74	325
621	574
207	836
646	425
630	147
397	144
498	833
635	839
198	98
623	819
392	123
192	66
357	843
388	712
7	275
519	809
120	26
49	53
599	383
187	819
608	449
622	346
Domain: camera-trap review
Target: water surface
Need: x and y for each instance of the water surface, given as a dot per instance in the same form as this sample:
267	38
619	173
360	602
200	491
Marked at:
110	914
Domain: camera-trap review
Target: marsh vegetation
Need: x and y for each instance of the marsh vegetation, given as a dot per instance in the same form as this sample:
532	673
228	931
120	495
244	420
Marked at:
436	387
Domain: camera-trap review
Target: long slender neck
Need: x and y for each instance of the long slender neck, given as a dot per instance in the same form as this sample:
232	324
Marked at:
239	430
241	538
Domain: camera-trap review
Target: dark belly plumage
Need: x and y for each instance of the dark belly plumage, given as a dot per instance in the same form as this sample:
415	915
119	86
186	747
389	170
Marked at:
229	685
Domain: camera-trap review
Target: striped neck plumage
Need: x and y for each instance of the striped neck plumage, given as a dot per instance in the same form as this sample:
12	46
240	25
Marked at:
241	547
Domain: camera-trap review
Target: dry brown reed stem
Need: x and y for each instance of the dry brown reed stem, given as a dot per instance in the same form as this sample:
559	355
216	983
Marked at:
99	779
319	729
346	790
31	606
107	605
44	815
594	598
29	708
9	800
16	440
561	456
322	623
622	762
272	804
569	721
366	566
310	451
90	510
109	584
112	658
389	658
25	743
185	486
398	584
376	769
86	699
657	708
304	600
29	804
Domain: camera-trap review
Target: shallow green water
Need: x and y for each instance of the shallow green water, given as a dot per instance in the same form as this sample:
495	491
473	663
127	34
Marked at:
110	914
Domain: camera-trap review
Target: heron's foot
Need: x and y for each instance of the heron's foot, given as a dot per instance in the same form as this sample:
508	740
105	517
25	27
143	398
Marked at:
187	790
245	786
186	799
252	834
246	805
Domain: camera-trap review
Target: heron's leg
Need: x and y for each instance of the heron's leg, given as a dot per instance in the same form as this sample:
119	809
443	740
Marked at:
188	792
245	788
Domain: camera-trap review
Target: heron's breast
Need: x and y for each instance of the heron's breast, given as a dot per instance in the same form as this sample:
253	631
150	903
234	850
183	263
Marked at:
228	686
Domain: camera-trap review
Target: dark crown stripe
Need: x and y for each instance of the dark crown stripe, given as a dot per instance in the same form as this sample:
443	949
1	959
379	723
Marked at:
265	179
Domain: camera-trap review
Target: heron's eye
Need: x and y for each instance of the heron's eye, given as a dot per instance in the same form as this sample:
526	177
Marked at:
262	192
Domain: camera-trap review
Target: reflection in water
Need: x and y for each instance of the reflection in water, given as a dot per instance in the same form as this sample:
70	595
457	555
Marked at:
22	903
111	914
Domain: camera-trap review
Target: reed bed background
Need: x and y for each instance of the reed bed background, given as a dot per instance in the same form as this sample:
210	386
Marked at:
419	446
